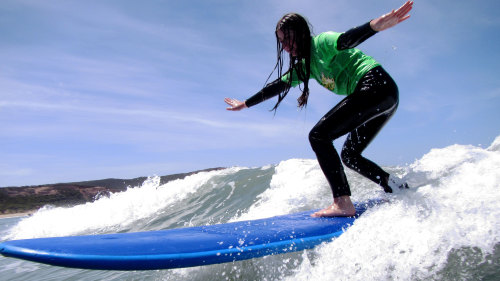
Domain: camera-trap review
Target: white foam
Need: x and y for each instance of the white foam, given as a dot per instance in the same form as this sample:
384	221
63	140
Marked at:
299	185
295	184
456	206
114	213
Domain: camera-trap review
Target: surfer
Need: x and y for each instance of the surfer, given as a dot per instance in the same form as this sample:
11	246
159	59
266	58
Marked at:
371	97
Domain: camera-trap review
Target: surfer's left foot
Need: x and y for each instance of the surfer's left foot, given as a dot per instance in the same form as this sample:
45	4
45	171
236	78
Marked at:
341	207
396	184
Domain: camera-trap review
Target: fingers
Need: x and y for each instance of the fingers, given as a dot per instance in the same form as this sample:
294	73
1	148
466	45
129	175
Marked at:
403	10
232	102
235	105
403	19
229	102
399	15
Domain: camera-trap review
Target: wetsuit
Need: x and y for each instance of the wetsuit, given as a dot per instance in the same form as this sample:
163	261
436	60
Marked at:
372	98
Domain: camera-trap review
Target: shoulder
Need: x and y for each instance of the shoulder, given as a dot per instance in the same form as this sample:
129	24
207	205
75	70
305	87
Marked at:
326	39
325	42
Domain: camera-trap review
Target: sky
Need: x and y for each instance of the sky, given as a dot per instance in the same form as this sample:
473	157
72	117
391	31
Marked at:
122	89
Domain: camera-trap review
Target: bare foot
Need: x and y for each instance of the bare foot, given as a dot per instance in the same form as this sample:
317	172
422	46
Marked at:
341	207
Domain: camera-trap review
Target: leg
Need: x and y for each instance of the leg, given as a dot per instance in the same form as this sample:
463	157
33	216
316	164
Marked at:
332	126
362	136
321	138
356	143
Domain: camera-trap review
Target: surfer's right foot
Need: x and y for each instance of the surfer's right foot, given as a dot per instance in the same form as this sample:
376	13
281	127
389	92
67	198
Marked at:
341	207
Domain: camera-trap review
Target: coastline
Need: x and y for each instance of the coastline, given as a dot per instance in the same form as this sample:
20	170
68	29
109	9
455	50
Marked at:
16	215
23	201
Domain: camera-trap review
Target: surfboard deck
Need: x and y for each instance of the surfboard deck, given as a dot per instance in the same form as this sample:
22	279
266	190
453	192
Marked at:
184	247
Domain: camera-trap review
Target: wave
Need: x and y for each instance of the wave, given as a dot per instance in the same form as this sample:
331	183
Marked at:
445	227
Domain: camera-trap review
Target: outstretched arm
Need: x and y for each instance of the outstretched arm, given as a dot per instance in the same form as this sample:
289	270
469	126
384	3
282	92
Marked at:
270	90
357	35
392	18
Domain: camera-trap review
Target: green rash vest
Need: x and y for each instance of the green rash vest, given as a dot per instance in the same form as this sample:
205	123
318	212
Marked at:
338	71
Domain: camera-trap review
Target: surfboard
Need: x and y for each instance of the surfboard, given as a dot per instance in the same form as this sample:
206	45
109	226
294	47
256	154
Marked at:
184	247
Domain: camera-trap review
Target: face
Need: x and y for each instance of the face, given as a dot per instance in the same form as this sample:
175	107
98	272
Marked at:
289	44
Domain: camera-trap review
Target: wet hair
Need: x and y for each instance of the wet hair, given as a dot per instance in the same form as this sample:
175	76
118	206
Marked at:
297	24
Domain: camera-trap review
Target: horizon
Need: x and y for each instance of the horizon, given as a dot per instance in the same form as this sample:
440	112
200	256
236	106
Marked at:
188	173
121	89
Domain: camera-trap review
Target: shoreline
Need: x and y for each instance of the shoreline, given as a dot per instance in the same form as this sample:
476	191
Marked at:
16	215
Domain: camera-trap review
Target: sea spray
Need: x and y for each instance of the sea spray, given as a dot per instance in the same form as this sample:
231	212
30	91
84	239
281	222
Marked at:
299	185
119	212
455	209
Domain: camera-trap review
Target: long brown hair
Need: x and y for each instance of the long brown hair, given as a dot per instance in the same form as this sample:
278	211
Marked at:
301	63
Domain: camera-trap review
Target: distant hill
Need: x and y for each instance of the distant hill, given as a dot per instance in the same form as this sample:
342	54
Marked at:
31	198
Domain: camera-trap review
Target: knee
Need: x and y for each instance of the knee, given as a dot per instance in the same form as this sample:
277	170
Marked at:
313	137
317	139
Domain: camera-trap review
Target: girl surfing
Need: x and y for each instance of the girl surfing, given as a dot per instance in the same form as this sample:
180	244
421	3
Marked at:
371	97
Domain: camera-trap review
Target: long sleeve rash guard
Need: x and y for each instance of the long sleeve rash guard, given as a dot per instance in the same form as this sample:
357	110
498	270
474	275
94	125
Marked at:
347	40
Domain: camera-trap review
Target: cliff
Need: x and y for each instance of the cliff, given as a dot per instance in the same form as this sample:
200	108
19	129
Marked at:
23	199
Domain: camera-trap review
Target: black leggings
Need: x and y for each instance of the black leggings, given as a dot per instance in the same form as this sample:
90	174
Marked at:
361	114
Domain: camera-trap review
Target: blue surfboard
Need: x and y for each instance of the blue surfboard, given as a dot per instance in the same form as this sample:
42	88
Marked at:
184	247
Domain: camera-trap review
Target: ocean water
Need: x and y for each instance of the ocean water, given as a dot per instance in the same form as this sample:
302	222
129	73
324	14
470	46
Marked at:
446	227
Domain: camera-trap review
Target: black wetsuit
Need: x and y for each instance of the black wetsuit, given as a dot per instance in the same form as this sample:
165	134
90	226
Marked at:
362	114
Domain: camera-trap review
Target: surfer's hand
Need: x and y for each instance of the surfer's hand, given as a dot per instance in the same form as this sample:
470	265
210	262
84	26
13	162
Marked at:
391	19
235	105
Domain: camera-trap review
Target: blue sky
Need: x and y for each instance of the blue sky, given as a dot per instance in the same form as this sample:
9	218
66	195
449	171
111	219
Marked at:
101	89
